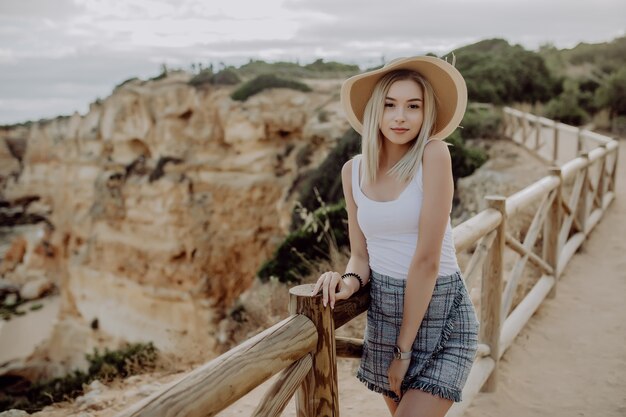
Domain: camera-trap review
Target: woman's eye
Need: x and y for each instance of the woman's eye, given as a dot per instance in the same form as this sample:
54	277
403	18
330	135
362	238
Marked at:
388	104
414	106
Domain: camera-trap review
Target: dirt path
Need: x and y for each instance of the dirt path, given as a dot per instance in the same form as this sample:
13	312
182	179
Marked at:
570	360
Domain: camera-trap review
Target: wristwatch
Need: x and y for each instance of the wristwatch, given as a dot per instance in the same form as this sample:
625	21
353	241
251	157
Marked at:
398	354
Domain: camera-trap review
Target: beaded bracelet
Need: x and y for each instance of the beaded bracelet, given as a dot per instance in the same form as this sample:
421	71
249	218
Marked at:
352	274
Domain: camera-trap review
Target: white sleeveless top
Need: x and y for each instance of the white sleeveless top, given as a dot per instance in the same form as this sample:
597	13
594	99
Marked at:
391	228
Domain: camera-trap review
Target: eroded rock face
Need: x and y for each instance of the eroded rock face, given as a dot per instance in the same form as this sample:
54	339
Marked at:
165	199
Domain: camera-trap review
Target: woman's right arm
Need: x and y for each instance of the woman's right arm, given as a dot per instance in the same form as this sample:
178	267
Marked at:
332	285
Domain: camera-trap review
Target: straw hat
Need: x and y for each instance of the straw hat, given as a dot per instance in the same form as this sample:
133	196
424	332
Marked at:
447	82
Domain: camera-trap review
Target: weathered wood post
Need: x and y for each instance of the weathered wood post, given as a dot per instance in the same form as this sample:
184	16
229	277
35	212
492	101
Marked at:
524	124
491	292
582	209
612	183
555	149
318	396
552	227
602	182
537	134
579	142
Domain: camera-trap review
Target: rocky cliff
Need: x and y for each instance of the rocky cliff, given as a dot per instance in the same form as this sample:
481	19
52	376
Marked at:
163	200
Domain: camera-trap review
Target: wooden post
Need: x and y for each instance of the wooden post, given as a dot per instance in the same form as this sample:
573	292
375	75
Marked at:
318	395
600	190
552	227
582	207
579	142
614	173
506	124
524	123
491	292
537	134
555	149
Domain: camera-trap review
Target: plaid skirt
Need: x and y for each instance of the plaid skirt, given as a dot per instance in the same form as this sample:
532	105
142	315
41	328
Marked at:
445	345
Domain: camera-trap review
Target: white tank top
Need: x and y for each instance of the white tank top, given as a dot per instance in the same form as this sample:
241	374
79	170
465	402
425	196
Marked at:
391	228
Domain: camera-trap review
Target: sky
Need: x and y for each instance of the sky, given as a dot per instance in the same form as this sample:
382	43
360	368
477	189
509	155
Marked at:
57	56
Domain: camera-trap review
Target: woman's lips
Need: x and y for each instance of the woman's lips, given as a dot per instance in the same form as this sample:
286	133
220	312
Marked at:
399	130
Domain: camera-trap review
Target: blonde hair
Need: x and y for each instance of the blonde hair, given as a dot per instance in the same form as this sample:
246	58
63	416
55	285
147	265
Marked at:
407	166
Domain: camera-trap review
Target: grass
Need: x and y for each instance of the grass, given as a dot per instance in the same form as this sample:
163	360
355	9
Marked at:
103	366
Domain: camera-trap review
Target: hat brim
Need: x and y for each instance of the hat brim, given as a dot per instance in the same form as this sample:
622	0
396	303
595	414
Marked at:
447	82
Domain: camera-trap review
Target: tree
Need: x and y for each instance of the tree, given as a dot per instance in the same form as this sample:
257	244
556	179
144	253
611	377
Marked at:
612	93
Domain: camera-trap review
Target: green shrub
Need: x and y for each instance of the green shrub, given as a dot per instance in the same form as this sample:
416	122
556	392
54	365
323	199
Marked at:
203	77
130	360
227	76
566	107
465	159
316	69
326	178
263	82
481	123
320	66
323	229
496	72
612	93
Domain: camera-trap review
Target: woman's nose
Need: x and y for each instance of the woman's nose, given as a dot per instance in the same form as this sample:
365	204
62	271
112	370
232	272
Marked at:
399	115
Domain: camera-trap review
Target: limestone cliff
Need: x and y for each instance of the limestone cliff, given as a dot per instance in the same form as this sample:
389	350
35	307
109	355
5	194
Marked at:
164	199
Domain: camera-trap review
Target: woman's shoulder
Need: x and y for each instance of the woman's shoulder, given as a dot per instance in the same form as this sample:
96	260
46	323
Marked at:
346	170
436	149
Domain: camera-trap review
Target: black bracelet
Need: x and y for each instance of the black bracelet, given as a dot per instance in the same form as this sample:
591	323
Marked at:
352	274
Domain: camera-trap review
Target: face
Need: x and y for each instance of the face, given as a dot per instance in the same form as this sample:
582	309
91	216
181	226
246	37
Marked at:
403	113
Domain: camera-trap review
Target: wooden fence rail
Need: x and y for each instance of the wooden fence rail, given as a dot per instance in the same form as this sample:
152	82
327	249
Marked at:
503	253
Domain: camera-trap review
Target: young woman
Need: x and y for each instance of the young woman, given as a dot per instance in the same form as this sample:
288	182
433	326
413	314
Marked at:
421	333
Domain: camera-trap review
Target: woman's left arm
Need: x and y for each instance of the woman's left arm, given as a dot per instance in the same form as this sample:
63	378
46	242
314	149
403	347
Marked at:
438	190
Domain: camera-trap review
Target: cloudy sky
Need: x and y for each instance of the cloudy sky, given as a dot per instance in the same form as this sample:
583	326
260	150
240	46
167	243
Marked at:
57	56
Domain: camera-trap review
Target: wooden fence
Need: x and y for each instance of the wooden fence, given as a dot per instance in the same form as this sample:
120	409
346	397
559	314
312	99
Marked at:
562	208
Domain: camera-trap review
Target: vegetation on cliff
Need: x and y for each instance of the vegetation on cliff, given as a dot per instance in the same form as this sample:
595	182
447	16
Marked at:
103	366
263	82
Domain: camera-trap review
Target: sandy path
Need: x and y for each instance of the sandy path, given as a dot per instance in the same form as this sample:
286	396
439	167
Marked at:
570	360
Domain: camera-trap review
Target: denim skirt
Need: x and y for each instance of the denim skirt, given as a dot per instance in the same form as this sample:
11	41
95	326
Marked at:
445	345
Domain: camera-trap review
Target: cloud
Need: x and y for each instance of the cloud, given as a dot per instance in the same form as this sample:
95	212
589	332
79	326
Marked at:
36	9
57	56
530	22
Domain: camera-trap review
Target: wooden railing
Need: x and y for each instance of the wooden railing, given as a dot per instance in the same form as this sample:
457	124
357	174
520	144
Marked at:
565	206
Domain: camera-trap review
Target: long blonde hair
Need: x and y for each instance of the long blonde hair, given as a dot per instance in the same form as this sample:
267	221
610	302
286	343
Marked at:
408	165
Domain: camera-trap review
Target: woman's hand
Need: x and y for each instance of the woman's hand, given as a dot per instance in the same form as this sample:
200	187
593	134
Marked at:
333	288
396	372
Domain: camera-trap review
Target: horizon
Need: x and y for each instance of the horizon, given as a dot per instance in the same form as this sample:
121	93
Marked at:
56	59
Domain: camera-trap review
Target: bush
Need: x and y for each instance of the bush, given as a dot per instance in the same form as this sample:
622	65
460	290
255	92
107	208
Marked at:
496	72
316	69
612	93
203	77
130	360
465	160
326	178
263	82
566	107
322	230
320	66
481	123
227	76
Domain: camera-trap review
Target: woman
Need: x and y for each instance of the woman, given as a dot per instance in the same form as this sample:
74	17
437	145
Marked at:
421	334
